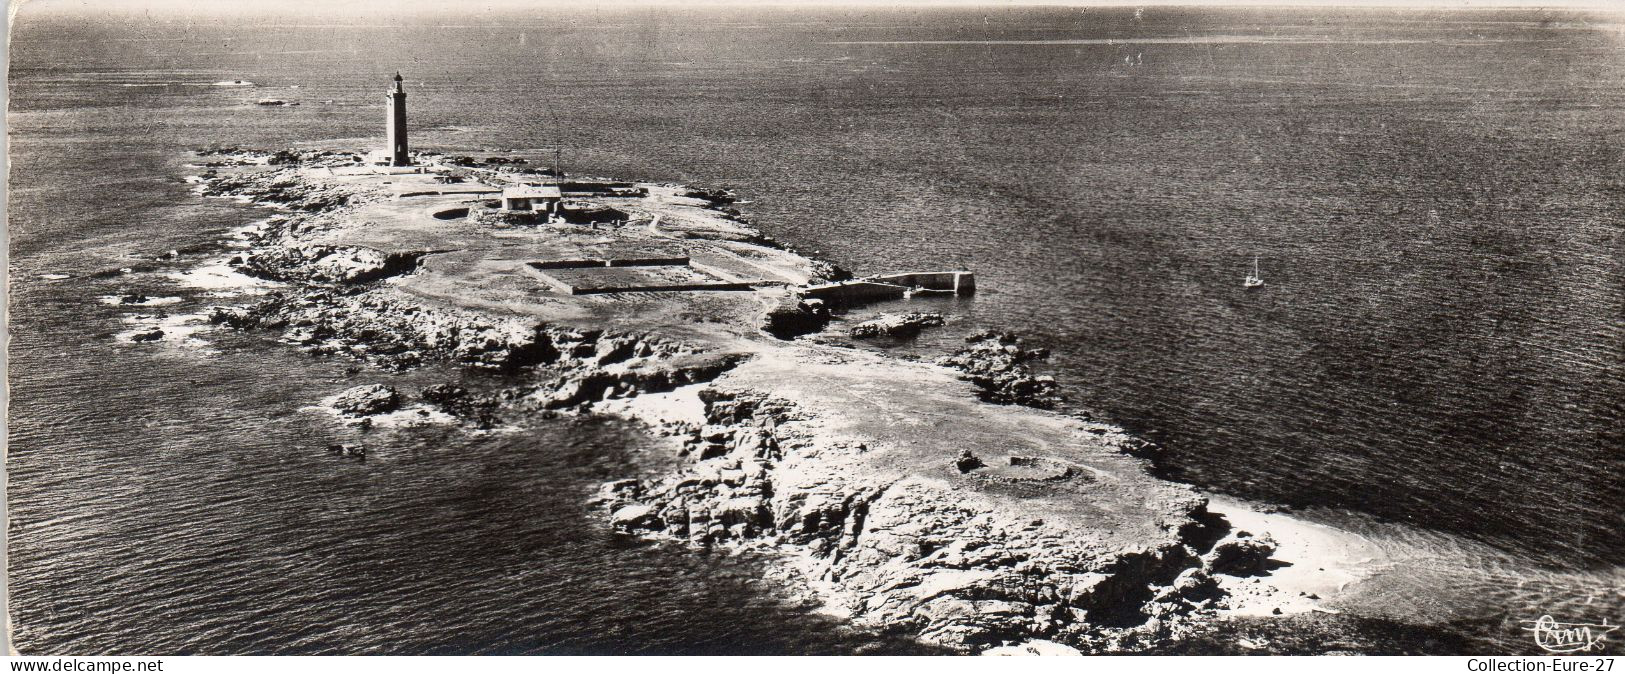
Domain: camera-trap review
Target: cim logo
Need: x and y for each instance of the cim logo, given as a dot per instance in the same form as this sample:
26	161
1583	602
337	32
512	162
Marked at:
1556	637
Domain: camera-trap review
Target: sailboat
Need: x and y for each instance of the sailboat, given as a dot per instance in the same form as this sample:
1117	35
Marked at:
1253	279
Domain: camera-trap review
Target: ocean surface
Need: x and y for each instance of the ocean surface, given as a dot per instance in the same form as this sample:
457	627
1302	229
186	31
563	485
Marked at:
1437	360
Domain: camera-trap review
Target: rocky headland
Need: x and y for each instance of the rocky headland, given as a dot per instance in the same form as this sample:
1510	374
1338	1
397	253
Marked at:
940	500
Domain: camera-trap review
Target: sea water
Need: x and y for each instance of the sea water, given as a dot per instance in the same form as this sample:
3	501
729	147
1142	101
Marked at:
1435	359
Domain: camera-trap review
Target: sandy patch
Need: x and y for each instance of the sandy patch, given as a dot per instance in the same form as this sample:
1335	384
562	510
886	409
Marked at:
118	300
406	417
224	280
242	237
682	405
1034	647
1322	562
176	329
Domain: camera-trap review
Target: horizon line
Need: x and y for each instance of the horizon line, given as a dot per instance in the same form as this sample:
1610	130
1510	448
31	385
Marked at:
217	7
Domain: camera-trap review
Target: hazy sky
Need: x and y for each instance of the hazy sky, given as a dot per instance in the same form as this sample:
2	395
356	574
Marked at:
482	6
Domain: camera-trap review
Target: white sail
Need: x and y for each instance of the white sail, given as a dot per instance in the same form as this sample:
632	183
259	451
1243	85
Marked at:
1254	279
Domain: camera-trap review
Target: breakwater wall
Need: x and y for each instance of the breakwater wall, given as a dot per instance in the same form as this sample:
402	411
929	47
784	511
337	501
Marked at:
960	282
893	287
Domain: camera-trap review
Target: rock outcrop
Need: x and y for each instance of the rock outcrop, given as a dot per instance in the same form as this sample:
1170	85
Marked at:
1001	368
282	188
1241	554
896	325
326	264
955	562
394	332
794	316
367	400
715	196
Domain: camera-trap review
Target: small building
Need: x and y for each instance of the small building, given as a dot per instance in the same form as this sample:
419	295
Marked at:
532	199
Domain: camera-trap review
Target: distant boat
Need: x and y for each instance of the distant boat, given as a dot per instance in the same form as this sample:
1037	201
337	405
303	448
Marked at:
1253	279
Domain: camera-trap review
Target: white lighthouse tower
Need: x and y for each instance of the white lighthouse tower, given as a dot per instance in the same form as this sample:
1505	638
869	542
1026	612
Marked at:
395	118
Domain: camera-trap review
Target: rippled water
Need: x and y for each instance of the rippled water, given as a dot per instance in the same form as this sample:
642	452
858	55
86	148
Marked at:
1436	360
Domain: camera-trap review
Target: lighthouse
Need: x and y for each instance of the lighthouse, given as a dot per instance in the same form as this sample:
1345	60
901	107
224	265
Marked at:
395	118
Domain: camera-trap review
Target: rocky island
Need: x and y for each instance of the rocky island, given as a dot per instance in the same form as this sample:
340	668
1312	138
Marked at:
944	501
938	500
